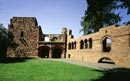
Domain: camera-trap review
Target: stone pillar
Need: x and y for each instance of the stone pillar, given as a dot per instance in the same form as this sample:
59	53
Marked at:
88	44
63	53
84	47
50	53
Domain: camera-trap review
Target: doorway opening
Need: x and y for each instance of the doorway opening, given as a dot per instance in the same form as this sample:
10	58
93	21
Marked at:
56	52
44	52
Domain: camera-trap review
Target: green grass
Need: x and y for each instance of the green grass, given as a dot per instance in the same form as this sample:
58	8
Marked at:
46	70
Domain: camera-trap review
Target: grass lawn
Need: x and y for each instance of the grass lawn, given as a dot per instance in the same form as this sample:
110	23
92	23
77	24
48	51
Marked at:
46	70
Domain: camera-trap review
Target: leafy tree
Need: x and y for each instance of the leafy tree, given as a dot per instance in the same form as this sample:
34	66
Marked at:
101	13
125	4
6	40
3	41
10	42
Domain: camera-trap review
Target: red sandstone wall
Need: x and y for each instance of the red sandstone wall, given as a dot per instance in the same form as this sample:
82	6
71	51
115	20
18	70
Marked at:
27	42
120	46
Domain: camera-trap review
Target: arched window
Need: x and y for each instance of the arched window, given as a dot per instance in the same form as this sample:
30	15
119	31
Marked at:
81	44
22	34
70	32
106	44
75	45
68	55
90	43
86	43
72	45
47	39
69	46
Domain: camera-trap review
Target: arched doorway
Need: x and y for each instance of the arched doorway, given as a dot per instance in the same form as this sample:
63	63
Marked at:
56	52
44	52
106	60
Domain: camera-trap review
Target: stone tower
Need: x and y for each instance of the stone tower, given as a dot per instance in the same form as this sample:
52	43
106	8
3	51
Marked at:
26	34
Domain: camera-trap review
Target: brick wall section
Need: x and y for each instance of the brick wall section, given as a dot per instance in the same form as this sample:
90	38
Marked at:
26	35
120	46
29	37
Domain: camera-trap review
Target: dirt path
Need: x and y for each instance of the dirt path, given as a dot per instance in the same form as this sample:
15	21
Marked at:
99	66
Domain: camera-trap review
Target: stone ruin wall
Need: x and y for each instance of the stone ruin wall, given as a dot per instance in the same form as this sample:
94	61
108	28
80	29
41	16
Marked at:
54	37
120	45
26	35
53	42
57	37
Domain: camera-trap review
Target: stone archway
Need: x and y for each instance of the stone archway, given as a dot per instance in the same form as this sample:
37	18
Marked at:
106	60
44	52
57	52
106	45
106	42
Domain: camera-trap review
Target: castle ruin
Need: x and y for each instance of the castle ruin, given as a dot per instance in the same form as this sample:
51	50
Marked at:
110	44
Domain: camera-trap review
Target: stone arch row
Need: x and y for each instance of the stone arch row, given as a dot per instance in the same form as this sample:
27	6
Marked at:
47	52
72	45
84	44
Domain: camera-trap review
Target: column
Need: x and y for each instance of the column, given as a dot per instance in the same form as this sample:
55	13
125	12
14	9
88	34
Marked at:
50	53
63	53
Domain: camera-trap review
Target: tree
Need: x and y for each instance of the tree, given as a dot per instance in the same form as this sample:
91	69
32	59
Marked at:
6	40
3	41
125	4
101	13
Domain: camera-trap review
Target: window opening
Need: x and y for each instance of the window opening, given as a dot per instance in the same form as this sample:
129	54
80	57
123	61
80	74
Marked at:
75	45
22	34
86	43
90	43
106	45
47	39
81	44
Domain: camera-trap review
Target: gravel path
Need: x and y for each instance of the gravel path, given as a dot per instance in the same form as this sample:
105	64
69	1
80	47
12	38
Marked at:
99	66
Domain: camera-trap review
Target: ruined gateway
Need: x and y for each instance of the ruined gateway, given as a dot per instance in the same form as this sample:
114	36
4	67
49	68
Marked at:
111	44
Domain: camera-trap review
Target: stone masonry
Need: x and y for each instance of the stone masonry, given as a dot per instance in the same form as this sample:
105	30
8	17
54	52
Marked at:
111	44
94	47
26	35
32	42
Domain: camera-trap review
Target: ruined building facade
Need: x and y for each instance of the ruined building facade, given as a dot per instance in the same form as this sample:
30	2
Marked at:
26	35
110	44
31	42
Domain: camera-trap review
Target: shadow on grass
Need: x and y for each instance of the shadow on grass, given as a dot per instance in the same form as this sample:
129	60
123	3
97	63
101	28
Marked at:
116	74
14	60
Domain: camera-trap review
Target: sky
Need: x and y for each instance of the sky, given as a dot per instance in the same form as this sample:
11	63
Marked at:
52	15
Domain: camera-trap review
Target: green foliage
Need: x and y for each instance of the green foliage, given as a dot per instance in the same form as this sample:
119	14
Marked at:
125	4
11	43
6	40
45	70
3	41
101	13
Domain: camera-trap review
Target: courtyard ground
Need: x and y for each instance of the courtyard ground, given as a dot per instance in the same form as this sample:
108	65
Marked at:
98	66
33	69
110	72
44	70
